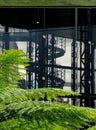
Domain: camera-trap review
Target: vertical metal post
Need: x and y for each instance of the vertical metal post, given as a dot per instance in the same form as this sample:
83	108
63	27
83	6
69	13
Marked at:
92	70
43	58
43	50
29	70
86	61
6	46
40	59
74	54
52	69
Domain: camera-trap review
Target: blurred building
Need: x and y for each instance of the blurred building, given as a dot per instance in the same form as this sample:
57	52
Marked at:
60	43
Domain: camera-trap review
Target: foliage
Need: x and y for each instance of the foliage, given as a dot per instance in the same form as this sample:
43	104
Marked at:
47	2
35	109
10	61
18	111
45	116
92	128
11	95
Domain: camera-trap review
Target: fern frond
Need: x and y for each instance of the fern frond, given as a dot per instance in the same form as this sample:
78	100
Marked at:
49	114
17	95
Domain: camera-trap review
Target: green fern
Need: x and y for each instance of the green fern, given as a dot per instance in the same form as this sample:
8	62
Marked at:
18	106
10	61
49	115
92	128
10	95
